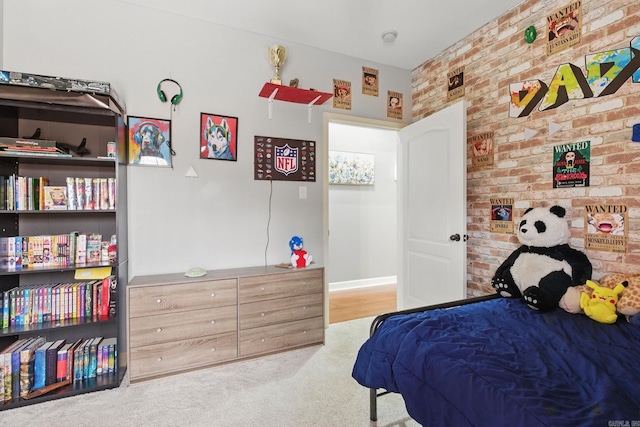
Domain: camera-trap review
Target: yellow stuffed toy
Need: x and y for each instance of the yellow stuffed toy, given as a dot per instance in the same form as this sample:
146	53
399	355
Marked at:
601	305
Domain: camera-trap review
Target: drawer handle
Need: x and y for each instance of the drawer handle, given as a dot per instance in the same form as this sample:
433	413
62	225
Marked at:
159	330
304	332
213	321
262	340
304	307
213	349
304	283
262	314
158	300
262	288
159	359
213	294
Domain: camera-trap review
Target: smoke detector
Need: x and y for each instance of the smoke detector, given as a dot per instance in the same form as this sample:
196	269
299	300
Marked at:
389	36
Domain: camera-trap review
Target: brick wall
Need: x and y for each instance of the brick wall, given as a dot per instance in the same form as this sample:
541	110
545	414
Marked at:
495	56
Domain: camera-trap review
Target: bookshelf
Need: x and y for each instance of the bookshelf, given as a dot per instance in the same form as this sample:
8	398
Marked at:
68	117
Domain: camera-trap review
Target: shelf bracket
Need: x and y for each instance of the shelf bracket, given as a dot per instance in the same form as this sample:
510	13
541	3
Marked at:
271	97
309	108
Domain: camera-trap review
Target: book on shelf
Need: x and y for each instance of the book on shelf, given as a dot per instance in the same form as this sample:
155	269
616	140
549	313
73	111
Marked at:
40	365
64	370
108	351
27	360
27	142
94	245
6	356
55	197
92	370
81	248
52	361
43	153
61	362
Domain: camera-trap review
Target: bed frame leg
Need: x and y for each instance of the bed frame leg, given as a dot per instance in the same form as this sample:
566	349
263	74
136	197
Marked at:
373	404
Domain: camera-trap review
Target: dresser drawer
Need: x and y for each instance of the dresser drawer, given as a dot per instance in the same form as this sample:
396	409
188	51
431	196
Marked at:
260	288
281	336
181	355
178	326
264	313
147	300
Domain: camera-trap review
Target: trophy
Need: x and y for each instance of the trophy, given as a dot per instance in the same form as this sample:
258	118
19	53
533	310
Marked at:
277	56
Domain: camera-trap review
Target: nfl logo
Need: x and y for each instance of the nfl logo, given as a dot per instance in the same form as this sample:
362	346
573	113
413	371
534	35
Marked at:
286	161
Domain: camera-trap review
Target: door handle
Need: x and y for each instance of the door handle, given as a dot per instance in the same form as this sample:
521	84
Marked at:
455	237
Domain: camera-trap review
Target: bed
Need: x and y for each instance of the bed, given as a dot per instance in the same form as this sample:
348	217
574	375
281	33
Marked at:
492	361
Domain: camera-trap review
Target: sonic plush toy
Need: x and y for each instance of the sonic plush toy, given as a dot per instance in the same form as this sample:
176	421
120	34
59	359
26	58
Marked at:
299	257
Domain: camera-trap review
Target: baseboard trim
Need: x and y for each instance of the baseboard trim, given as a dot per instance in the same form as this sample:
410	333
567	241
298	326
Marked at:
362	283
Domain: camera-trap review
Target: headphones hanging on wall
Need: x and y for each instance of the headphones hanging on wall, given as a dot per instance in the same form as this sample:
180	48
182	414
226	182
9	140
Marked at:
175	100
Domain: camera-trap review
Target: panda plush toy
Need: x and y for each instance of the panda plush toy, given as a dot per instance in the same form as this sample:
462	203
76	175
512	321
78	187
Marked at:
544	267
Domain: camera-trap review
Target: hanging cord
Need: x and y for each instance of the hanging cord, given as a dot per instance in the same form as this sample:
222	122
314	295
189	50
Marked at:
268	221
170	143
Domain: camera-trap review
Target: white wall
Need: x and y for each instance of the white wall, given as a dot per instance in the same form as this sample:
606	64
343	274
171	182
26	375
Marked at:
218	220
362	218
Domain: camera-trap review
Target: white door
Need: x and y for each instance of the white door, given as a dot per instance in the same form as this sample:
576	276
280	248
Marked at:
432	209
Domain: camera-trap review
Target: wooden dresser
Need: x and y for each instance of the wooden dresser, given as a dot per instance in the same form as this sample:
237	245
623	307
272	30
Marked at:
176	323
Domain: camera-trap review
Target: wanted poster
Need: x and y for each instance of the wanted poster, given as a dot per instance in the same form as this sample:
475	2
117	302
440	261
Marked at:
394	105
455	84
341	94
482	149
571	164
564	27
369	81
501	216
606	228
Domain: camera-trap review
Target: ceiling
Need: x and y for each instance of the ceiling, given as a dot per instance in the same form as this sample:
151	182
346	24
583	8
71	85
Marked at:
350	27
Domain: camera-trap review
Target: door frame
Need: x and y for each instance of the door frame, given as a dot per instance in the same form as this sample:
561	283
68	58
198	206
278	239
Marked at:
324	152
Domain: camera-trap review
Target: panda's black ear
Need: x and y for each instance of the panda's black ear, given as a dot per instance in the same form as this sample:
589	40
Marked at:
558	211
527	211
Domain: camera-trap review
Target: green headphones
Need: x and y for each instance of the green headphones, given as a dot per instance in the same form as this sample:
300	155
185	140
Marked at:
176	98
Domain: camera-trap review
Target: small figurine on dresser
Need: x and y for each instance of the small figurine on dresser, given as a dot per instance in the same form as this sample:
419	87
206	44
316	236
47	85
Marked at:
299	257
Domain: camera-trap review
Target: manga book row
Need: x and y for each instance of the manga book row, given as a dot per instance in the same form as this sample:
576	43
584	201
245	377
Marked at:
62	250
39	304
24	193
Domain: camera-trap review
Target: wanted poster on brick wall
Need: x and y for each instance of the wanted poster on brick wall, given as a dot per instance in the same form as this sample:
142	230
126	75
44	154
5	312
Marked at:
564	26
281	159
571	164
606	228
481	149
501	216
455	84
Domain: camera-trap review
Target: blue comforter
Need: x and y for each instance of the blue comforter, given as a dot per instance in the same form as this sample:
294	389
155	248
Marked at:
499	363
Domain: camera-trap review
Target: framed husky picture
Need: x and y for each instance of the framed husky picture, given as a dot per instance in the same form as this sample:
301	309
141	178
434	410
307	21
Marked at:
218	137
149	141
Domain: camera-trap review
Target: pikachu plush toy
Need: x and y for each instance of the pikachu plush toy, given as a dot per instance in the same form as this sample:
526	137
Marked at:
601	305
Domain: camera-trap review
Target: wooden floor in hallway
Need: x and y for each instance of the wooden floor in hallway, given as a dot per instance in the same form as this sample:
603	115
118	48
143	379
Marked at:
357	303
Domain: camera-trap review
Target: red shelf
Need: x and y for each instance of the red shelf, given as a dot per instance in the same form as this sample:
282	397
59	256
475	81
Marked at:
294	94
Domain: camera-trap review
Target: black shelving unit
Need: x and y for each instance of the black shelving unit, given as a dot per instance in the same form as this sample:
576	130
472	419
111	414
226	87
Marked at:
67	116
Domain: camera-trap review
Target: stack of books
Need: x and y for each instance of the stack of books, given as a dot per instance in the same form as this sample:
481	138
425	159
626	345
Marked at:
30	147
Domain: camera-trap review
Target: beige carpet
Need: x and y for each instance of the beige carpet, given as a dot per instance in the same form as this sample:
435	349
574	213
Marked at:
307	387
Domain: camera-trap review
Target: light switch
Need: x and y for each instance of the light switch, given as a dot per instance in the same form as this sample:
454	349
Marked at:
302	191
